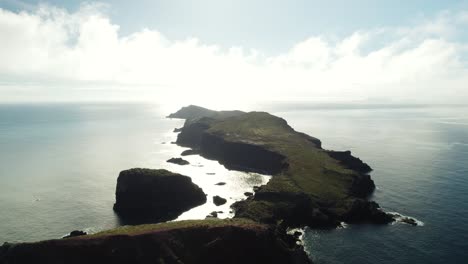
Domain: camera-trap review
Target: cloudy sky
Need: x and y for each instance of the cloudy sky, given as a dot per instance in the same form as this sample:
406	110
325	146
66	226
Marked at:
360	51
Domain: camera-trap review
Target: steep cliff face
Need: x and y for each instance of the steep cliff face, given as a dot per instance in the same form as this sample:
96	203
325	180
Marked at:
349	161
206	241
241	156
233	155
145	195
191	134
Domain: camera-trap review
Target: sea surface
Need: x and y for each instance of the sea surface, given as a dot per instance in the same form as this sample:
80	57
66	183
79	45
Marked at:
59	164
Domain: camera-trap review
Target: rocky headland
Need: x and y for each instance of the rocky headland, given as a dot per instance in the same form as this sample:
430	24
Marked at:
311	186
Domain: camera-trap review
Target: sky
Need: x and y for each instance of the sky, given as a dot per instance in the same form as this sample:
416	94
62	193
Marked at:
218	50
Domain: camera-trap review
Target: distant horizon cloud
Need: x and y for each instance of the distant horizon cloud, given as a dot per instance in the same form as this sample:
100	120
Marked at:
51	54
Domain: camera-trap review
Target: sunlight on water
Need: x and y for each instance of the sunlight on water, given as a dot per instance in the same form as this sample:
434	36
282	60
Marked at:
206	174
59	166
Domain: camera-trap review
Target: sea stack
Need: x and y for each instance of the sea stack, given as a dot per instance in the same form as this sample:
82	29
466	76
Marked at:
150	196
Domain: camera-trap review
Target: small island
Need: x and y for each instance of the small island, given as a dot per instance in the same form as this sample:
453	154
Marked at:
151	196
178	161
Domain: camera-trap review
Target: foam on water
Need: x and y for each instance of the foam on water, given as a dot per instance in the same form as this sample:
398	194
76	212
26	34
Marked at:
400	219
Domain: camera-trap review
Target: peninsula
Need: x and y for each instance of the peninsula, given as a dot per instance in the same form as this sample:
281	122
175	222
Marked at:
310	186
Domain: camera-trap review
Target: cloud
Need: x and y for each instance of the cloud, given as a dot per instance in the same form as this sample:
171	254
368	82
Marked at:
50	53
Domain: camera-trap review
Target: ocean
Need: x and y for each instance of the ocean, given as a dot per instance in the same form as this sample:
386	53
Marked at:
59	164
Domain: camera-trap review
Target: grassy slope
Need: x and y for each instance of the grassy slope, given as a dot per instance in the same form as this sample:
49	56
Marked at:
193	241
151	228
311	170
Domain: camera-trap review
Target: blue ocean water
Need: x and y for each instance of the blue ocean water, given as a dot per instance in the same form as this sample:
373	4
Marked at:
59	164
420	161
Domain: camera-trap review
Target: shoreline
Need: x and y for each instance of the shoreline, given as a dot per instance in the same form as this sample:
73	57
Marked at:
259	141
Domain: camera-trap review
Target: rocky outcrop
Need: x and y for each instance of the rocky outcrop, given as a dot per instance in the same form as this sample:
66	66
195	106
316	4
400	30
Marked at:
191	133
212	214
360	210
204	241
218	200
350	161
409	221
313	140
189	152
178	161
293	209
146	195
75	233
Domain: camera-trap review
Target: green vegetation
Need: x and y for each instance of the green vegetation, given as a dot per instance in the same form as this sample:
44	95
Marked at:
195	241
312	185
193	112
149	228
311	169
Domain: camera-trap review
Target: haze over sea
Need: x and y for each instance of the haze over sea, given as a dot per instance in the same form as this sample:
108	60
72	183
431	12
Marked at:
59	164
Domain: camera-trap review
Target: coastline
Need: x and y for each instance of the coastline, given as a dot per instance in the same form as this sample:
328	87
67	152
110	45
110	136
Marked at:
330	186
281	164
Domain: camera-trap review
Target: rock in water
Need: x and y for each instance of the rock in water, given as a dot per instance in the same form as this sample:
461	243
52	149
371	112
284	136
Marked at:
146	195
213	214
76	233
218	200
189	152
409	221
178	161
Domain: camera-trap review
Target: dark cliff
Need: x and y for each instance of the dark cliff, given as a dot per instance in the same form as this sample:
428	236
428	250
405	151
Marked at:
150	196
241	156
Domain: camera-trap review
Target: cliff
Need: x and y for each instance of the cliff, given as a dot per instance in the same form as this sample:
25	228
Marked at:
311	186
202	241
151	196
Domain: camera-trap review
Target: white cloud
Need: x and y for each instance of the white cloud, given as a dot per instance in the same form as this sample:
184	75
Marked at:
52	54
